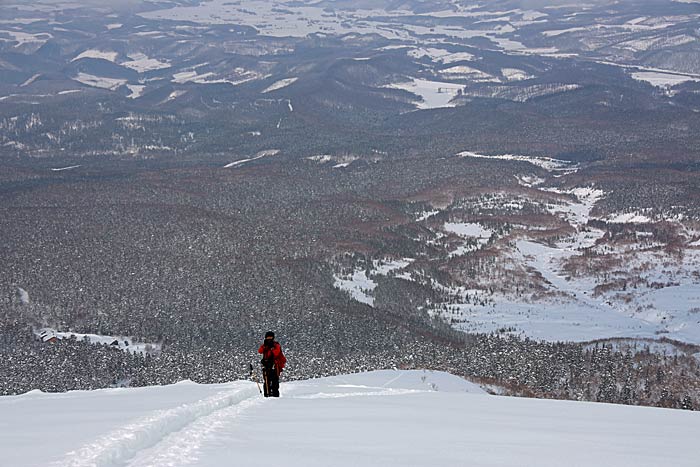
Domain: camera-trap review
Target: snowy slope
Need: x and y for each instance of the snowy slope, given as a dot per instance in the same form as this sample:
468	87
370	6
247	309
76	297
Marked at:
387	418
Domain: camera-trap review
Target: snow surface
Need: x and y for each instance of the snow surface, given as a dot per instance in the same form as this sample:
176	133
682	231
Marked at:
439	55
628	218
433	94
142	63
136	90
25	38
476	233
175	94
23	296
100	81
30	80
259	155
360	286
123	343
515	74
546	163
571	305
467	72
110	56
283	83
61	169
663	79
238	76
388	418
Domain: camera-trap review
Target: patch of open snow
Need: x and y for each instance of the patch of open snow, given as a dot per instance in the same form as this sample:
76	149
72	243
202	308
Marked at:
175	94
321	159
110	56
571	309
191	76
663	79
142	63
283	83
426	215
136	90
476	234
628	218
559	32
30	80
259	155
360	286
433	94
464	229
61	169
25	38
467	72
386	267
184	76
23	296
546	163
577	213
100	81
529	180
515	74
440	55
120	342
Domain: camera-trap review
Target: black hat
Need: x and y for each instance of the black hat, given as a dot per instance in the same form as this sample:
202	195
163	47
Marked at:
269	334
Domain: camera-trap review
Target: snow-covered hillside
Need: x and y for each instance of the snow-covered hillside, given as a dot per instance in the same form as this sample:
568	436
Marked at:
387	418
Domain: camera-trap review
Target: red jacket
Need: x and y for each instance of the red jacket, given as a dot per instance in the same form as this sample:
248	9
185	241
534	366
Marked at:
274	353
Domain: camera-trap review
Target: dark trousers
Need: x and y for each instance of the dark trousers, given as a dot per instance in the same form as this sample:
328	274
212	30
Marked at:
271	382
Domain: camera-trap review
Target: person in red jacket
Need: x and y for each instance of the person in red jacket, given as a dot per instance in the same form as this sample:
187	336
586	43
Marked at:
273	362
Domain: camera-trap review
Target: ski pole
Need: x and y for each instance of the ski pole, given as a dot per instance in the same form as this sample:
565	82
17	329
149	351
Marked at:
267	383
254	379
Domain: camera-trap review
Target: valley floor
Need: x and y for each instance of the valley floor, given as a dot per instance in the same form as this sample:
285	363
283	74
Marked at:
387	418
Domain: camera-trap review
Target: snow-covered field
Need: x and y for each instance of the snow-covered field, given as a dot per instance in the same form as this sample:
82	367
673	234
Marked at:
299	19
100	81
578	285
433	94
360	286
259	155
143	63
571	308
120	342
663	79
546	163
283	83
110	56
387	418
439	55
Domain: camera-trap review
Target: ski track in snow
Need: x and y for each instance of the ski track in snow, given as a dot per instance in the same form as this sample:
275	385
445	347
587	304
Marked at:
179	429
174	437
181	448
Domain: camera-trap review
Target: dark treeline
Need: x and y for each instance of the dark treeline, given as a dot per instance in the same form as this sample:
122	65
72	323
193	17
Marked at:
506	364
